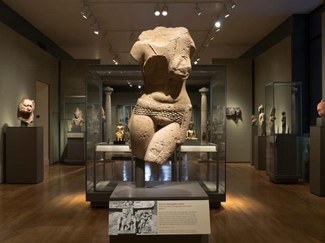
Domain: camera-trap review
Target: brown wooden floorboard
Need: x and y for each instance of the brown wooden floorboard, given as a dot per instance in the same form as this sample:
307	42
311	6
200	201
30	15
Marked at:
256	210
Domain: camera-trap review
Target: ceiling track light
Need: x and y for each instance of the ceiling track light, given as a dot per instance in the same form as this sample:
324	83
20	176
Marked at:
96	28
197	59
115	59
197	9
164	11
85	12
232	4
227	14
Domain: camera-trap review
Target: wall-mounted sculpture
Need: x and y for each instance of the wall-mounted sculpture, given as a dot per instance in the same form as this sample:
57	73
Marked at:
234	113
25	112
261	120
162	114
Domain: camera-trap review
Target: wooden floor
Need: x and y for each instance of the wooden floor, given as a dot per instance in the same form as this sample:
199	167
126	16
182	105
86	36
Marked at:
256	210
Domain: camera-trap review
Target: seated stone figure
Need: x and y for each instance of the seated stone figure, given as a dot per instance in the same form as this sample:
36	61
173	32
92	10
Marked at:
162	114
25	112
190	133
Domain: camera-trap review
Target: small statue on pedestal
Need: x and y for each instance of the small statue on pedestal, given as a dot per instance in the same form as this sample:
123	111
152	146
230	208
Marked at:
190	133
119	135
261	120
272	121
25	112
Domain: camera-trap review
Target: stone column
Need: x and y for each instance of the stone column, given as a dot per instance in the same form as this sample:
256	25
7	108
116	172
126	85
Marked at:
108	108
204	111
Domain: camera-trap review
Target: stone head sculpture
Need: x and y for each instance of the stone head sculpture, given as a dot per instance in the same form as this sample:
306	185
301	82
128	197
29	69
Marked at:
321	108
162	114
25	112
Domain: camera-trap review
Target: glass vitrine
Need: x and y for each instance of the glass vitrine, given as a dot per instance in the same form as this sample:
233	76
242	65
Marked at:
109	163
73	129
285	145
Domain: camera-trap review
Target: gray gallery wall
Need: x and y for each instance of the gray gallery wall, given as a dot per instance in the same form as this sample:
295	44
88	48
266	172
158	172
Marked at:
22	63
239	94
273	65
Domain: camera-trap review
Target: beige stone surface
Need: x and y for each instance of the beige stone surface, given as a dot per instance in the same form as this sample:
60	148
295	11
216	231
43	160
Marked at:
162	113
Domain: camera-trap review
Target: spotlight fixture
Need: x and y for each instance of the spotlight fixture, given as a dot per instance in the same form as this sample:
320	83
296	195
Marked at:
139	86
232	4
157	10
115	60
196	60
85	12
227	14
164	10
197	10
96	29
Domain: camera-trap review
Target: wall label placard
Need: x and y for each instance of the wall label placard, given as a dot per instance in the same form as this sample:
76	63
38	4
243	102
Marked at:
159	217
183	217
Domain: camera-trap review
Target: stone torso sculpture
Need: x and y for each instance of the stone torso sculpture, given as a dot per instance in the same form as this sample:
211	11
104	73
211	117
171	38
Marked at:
162	114
25	112
261	120
272	121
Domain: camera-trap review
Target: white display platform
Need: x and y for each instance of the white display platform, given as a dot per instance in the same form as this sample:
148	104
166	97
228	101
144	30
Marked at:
174	211
209	147
112	148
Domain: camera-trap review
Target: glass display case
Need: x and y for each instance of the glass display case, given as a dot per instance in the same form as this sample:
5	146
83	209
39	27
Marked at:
108	164
284	141
73	129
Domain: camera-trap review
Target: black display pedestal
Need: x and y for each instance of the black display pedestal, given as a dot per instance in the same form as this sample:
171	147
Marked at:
175	193
282	160
317	160
260	152
24	155
254	132
75	150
